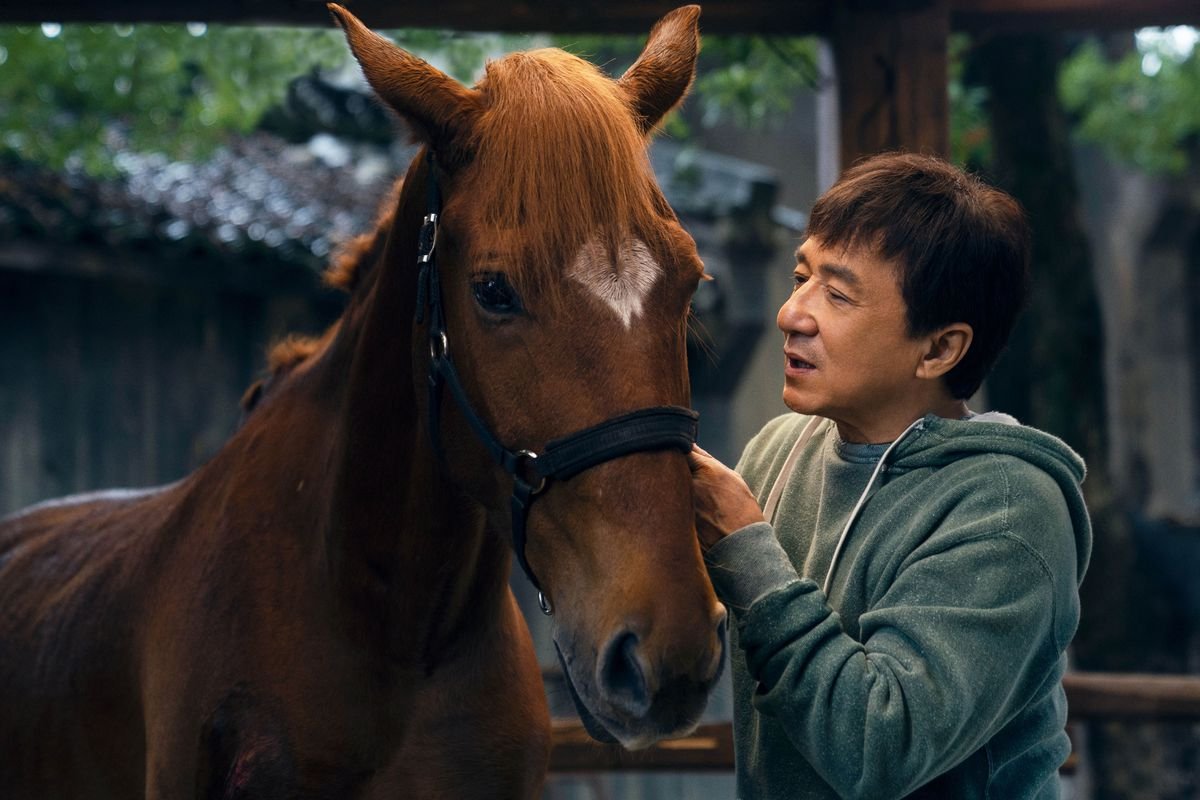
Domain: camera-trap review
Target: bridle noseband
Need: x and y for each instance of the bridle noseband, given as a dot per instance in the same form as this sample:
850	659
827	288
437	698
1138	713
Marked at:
654	428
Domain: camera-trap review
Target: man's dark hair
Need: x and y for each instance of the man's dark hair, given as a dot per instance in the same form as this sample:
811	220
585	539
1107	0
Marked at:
961	248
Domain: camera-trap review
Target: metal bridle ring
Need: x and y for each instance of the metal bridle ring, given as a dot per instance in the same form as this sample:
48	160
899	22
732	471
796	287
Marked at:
439	346
539	481
544	604
427	238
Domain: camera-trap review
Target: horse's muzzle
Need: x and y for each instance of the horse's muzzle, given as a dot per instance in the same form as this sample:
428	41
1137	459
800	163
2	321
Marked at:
636	703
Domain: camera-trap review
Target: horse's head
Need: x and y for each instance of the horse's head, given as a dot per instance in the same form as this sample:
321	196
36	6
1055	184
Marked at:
565	279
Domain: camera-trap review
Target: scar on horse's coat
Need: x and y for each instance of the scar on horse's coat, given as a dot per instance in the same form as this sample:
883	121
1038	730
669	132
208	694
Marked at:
247	752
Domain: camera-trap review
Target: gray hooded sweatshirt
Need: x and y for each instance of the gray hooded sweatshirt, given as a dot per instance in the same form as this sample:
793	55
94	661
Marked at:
901	629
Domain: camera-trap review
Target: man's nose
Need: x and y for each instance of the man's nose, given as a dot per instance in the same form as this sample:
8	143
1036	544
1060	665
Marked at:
795	315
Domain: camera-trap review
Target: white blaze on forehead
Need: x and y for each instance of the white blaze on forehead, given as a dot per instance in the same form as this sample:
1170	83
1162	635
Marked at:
622	286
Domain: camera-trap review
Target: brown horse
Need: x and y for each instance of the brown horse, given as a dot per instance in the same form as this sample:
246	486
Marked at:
322	610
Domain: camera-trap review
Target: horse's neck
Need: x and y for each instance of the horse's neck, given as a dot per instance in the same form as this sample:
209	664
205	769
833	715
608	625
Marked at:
398	533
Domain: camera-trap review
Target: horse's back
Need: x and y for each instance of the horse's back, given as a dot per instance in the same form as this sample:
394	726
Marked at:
72	554
69	578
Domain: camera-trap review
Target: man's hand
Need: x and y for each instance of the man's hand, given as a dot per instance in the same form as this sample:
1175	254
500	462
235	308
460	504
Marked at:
724	503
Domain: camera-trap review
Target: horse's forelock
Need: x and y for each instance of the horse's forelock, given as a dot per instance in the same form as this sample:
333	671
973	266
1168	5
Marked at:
560	162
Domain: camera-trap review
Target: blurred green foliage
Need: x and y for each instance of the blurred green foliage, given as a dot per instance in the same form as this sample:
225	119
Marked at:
970	133
1143	107
460	55
65	91
71	95
751	81
754	80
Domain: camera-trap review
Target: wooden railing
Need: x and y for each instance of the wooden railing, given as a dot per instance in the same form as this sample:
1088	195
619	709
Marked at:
1090	695
709	748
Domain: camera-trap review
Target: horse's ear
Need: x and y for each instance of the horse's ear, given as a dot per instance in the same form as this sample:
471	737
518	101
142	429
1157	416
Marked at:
663	73
438	108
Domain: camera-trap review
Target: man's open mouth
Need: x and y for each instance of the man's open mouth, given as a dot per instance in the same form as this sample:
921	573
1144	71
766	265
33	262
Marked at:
798	363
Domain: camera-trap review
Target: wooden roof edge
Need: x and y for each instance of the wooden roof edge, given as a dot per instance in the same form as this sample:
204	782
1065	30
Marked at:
538	16
782	17
975	16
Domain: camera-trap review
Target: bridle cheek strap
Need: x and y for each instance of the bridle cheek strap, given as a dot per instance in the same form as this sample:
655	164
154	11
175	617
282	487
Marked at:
648	429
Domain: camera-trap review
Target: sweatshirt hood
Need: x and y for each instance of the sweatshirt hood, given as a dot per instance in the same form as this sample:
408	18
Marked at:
935	441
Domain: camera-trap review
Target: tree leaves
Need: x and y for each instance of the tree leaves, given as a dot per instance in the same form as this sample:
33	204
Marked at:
1143	107
73	95
69	94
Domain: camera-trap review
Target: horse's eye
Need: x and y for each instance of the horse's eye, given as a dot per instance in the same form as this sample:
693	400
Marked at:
494	294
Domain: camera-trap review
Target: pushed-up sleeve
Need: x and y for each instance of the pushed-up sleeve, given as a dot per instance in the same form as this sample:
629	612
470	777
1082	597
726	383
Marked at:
748	565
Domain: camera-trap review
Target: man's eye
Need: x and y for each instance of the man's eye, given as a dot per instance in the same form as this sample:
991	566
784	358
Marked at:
799	279
494	294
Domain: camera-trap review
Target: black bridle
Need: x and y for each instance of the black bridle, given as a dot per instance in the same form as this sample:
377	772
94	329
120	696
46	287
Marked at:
655	428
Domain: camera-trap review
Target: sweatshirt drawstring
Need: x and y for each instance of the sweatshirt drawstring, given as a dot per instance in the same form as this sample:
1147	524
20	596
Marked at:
862	499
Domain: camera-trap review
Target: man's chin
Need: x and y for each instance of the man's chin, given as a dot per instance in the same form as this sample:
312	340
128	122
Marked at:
799	403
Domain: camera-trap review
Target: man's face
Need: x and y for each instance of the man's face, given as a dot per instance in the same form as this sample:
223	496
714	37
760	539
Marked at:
848	355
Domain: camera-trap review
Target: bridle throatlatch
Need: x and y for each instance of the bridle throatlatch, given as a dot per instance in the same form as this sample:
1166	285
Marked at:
654	428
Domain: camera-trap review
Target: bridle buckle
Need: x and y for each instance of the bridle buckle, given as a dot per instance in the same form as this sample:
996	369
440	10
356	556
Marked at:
427	239
528	459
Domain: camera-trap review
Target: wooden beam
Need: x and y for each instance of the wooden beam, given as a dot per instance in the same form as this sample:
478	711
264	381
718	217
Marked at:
1110	695
892	77
987	16
775	17
794	17
162	266
709	748
1090	695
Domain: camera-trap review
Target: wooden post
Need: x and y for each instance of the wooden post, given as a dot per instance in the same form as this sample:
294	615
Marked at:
892	77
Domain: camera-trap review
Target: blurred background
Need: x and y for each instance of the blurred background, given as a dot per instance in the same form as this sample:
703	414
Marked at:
170	190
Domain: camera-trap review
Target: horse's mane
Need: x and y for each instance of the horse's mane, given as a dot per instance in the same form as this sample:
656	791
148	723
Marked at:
283	356
351	260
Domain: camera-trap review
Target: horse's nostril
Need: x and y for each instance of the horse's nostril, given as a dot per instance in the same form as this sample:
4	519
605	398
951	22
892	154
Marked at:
622	677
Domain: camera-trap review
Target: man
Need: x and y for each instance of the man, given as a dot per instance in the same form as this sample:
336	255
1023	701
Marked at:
903	610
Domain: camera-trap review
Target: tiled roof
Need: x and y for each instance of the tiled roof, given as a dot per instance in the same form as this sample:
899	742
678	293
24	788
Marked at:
263	197
257	196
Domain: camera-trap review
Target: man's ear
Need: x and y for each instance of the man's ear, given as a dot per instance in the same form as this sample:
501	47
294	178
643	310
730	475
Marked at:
946	347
